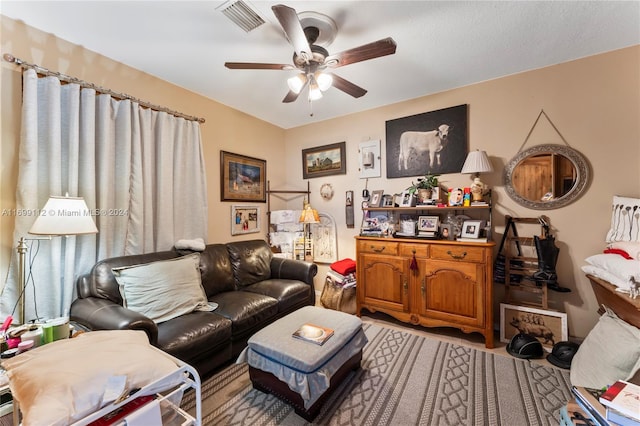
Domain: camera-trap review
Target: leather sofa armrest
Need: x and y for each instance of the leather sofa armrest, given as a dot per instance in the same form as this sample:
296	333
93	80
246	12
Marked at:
289	269
102	314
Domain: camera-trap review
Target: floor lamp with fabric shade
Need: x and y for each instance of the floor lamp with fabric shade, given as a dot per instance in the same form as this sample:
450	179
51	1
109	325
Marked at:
60	216
308	216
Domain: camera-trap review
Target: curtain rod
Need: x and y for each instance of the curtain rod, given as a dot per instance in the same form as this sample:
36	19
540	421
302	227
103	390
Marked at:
46	72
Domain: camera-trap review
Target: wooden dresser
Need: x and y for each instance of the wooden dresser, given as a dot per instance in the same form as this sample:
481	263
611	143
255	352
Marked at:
449	285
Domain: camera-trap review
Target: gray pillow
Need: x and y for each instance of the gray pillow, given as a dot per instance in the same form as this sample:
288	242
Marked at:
610	352
163	290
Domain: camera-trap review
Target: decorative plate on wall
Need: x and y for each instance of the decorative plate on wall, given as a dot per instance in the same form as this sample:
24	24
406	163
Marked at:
326	191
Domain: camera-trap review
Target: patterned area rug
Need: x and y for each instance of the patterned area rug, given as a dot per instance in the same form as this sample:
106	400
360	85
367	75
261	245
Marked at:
405	379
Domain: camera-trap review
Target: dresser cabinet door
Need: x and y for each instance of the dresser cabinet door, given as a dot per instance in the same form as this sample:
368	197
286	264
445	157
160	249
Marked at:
452	291
383	281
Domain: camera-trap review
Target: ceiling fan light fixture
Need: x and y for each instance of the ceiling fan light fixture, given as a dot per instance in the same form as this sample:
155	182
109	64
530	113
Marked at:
314	91
296	83
324	80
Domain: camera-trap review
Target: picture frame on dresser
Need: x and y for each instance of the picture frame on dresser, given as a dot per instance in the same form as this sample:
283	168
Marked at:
376	198
549	327
446	231
407	199
428	223
471	229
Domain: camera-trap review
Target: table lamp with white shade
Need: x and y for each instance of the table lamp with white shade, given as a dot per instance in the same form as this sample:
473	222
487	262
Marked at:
477	162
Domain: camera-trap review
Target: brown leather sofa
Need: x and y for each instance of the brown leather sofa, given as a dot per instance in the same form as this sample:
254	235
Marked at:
251	287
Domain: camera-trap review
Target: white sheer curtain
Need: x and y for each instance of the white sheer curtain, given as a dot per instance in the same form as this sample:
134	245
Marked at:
142	171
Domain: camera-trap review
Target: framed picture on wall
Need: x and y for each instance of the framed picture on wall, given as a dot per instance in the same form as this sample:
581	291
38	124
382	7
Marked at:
245	219
434	141
242	178
324	160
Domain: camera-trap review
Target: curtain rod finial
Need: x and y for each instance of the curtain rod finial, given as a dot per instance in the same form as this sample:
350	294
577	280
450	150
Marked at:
9	57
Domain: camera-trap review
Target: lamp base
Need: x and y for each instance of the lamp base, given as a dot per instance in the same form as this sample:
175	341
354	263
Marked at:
477	189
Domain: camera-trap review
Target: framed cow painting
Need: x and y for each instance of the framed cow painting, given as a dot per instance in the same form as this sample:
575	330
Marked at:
432	142
549	327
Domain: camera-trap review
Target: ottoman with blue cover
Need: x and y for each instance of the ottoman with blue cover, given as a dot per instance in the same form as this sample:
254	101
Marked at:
302	373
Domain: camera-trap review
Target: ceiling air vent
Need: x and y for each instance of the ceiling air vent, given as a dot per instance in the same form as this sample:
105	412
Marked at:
242	15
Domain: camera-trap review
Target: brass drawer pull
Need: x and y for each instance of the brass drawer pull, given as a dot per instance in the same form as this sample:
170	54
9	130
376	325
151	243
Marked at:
457	256
378	249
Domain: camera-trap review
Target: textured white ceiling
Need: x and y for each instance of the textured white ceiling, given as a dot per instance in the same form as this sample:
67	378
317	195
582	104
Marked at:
441	45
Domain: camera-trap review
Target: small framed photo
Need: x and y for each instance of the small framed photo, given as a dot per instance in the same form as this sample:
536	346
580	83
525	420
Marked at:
428	223
387	200
245	219
471	229
456	197
407	199
376	198
435	194
549	327
446	231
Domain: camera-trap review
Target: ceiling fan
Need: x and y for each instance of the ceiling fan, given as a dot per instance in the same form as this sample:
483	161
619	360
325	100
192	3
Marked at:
314	60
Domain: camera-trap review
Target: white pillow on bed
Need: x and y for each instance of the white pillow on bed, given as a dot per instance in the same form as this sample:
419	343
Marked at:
164	289
64	381
623	285
632	248
625	219
616	264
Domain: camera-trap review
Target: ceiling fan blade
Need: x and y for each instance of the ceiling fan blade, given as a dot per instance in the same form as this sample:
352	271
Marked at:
292	96
256	66
288	18
347	87
384	47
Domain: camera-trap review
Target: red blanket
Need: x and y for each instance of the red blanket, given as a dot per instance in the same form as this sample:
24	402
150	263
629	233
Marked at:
344	266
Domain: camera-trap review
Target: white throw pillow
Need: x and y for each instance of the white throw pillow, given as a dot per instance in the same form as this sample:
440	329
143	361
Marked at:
610	352
625	220
165	289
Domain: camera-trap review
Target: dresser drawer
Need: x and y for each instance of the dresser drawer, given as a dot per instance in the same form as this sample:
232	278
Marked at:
457	252
379	247
419	250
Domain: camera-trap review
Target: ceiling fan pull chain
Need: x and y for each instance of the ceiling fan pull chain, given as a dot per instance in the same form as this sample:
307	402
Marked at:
310	108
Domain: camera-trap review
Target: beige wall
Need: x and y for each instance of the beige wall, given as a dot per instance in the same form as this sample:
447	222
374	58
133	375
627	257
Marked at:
594	102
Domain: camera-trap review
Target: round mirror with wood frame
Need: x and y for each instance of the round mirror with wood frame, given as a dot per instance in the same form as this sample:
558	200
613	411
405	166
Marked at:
546	177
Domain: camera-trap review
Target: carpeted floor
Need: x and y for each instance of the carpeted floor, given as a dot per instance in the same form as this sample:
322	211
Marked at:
406	379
